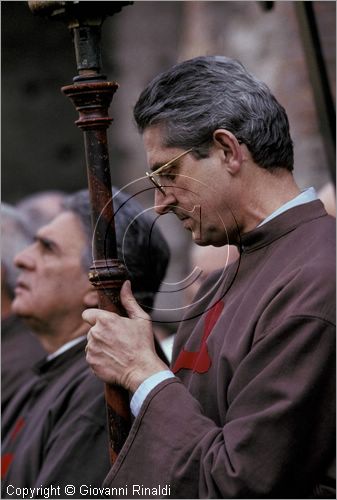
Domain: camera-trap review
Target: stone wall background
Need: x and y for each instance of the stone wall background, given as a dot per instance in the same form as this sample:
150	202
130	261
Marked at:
41	147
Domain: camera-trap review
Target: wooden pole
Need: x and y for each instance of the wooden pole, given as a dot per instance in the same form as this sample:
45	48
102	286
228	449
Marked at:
91	95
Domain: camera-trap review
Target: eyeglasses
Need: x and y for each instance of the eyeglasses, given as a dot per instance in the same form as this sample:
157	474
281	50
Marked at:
155	176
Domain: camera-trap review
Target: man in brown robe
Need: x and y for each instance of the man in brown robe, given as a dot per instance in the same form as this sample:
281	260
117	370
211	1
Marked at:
247	409
54	430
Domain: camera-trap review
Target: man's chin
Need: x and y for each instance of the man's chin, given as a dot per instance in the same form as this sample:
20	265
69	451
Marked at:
198	240
196	236
201	239
20	309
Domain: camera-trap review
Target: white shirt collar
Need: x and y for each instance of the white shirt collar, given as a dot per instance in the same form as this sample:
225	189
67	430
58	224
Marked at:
65	347
304	197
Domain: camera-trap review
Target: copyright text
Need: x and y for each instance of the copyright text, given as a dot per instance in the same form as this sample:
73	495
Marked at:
135	490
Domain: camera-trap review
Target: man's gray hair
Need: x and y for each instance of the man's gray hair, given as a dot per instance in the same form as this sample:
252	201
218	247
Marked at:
140	244
41	207
16	235
198	96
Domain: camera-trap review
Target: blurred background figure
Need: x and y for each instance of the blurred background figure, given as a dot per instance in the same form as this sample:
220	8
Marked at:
41	207
19	348
328	196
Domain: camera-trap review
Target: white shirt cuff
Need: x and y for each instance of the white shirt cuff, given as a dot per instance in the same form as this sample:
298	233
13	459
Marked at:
145	388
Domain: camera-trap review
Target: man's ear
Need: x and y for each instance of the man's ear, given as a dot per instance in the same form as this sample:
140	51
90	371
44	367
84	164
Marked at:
230	147
90	298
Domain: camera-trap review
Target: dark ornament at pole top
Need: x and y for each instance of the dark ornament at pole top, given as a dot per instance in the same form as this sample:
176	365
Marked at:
76	13
266	6
84	19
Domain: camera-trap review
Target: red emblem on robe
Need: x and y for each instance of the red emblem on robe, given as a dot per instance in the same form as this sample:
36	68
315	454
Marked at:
200	361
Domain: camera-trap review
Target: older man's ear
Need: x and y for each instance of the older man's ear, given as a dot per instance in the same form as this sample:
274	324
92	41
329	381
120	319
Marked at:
90	298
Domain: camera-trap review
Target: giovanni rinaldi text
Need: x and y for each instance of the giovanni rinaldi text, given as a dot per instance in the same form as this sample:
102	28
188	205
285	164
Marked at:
53	491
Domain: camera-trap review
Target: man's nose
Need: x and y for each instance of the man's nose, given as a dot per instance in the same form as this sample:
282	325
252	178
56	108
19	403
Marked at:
24	259
164	202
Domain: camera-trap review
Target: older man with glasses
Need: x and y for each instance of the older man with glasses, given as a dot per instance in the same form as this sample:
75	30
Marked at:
247	408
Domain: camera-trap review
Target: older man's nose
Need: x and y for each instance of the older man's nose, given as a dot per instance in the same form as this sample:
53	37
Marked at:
24	259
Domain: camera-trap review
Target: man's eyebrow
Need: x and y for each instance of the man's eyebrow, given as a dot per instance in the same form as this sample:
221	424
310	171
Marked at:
156	166
169	163
46	242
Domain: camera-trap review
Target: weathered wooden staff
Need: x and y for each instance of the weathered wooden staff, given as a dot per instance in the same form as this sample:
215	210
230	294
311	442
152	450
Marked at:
91	94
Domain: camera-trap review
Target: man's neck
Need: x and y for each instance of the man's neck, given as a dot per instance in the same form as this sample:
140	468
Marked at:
65	347
265	194
52	337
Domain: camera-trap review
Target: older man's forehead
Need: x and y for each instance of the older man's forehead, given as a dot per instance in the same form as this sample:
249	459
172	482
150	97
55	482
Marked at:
65	230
